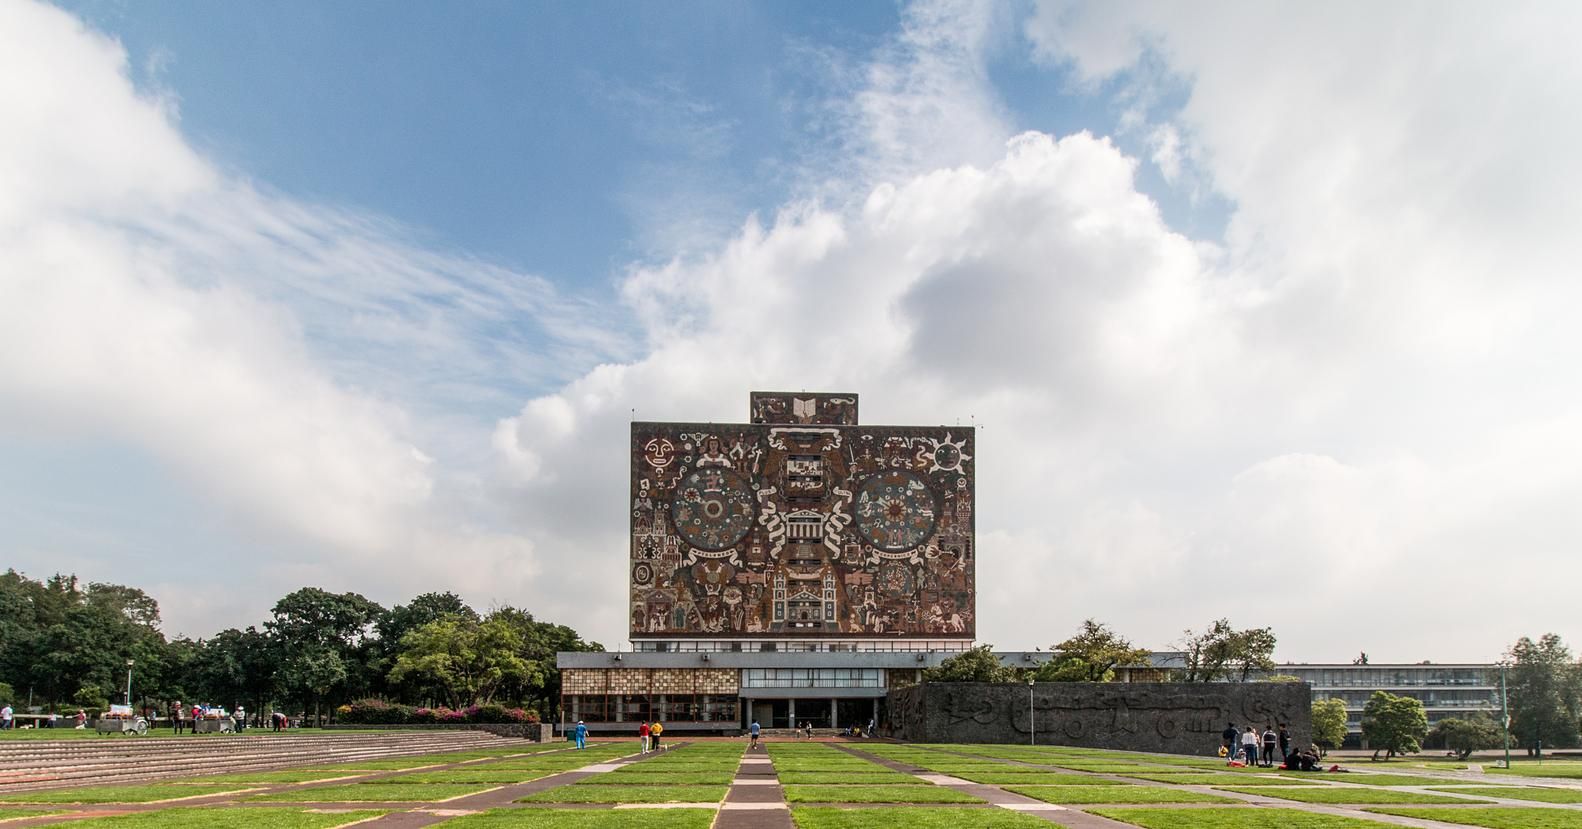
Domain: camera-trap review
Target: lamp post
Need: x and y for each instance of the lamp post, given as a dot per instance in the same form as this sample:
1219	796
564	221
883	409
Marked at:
1505	715
128	683
1032	724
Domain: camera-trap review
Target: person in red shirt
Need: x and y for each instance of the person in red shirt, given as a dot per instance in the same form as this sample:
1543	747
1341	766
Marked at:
642	737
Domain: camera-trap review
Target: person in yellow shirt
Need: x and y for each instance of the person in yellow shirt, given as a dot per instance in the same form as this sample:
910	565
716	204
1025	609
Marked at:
653	734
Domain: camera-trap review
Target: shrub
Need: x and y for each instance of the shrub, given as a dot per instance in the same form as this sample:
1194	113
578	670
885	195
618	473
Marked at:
376	712
380	712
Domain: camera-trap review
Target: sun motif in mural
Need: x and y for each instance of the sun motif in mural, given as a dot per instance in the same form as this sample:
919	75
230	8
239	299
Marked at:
713	508
948	455
895	510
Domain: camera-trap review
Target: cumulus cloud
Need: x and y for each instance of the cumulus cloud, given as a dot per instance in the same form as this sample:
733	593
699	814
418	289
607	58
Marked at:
1350	404
302	367
1307	414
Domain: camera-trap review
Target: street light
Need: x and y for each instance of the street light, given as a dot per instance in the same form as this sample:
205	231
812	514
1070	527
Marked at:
1032	724
1505	714
128	683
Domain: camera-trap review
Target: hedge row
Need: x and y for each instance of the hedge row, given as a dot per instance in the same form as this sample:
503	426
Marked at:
379	712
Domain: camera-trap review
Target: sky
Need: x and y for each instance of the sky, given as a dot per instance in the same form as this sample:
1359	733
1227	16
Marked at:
1265	311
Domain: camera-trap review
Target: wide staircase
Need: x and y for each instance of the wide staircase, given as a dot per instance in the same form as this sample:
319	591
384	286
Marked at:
37	764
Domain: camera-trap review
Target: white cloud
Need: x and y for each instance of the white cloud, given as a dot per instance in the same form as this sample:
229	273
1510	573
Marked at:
1353	404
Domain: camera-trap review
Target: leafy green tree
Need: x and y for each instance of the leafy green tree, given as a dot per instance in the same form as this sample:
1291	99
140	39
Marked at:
1465	735
1222	652
463	662
1329	723
322	639
976	665
1393	724
1090	656
538	687
1545	689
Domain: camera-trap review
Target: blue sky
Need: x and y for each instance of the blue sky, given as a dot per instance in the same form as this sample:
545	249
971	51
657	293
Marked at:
364	295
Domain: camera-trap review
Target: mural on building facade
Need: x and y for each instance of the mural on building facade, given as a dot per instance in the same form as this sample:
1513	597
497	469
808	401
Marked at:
802	527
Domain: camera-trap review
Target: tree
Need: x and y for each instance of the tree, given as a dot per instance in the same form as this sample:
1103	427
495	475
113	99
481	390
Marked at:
538	687
1222	652
976	665
1545	688
1090	656
465	663
322	639
1329	723
1395	725
1465	735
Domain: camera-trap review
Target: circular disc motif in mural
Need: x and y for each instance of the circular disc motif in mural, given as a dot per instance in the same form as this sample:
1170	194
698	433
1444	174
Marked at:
895	510
713	508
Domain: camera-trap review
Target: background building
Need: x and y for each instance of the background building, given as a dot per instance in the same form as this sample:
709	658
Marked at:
1450	690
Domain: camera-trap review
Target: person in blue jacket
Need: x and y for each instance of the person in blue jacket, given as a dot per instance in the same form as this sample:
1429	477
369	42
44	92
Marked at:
582	735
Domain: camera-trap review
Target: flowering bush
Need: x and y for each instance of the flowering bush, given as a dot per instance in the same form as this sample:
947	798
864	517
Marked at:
379	712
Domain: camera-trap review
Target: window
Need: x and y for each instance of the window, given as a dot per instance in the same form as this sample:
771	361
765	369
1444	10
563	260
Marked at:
812	678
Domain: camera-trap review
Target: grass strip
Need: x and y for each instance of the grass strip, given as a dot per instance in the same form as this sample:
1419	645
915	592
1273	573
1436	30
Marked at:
142	793
1197	779
876	794
700	818
373	792
1232	819
1506	817
1035	778
1537	794
1344	794
482	774
621	777
1114	794
205	818
1367	779
629	794
286	776
839	778
911	817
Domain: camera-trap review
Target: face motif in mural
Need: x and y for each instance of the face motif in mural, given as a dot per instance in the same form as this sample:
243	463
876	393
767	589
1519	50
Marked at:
660	453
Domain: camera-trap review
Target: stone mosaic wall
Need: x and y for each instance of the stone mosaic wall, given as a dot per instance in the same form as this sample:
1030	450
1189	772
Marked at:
809	529
1174	717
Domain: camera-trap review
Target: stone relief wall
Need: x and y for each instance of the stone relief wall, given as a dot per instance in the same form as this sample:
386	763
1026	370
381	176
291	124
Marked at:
1174	717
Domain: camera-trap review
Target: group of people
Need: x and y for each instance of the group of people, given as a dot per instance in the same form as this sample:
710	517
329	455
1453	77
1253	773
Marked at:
184	718
648	735
1254	748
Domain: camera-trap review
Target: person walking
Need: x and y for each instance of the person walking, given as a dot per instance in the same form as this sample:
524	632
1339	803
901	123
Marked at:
175	717
1230	740
1249	745
1285	740
6	715
582	735
642	737
752	731
654	731
1269	741
239	719
197	714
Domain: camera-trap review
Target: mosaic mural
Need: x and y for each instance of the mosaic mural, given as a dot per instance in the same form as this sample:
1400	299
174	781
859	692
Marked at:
777	528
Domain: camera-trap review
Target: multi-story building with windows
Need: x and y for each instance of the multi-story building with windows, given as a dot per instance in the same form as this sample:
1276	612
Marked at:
1448	690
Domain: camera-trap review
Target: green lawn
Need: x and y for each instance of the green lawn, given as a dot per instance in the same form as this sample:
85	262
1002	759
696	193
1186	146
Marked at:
1367	779
1496	818
1035	778
623	777
287	776
1232	819
629	794
911	817
207	818
374	792
882	777
1114	794
1532	768
1211	779
480	774
1345	794
876	794
1520	793
10	814
141	793
700	818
